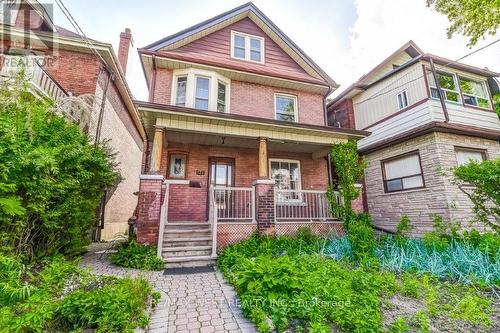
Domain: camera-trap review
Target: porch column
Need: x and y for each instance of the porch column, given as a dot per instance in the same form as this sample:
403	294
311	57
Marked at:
265	206
157	150
263	158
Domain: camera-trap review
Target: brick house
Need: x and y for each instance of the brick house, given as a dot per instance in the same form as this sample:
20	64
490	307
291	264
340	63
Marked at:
61	65
237	136
416	135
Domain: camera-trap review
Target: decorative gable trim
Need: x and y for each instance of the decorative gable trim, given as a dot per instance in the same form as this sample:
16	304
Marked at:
260	19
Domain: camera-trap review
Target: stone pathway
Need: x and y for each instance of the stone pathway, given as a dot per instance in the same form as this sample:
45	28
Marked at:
201	302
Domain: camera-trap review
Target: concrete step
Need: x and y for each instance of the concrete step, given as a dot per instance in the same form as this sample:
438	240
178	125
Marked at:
169	241
186	225
189	261
170	252
187	231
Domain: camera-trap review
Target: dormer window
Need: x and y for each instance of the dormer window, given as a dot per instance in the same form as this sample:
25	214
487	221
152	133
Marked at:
247	47
200	89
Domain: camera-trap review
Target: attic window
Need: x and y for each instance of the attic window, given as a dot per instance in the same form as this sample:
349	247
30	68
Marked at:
247	47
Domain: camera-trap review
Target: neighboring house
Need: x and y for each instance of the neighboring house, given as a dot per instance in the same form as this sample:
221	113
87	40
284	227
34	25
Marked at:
237	136
62	66
416	140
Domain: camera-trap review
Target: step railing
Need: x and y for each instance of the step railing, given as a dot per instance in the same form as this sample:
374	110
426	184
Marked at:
230	204
304	205
163	219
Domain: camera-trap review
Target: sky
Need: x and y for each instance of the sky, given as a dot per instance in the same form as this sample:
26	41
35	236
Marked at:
346	38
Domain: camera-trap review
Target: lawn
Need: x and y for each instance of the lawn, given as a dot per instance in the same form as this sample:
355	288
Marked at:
309	284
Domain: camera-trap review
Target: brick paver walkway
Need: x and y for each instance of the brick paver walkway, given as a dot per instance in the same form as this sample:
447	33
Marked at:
200	302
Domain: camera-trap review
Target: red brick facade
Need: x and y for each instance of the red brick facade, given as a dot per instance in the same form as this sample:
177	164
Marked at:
342	115
148	210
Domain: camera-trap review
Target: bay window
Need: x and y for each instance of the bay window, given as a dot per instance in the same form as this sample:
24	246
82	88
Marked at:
200	89
202	93
180	99
474	92
286	173
402	172
448	84
247	47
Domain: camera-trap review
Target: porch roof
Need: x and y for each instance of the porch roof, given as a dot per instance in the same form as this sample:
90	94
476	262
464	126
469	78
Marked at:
183	119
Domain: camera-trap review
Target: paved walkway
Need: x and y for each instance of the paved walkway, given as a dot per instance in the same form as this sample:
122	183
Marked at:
200	302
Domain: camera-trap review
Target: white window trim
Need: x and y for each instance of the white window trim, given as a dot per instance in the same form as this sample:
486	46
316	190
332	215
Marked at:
299	181
407	101
482	151
296	106
247	47
192	74
457	86
485	86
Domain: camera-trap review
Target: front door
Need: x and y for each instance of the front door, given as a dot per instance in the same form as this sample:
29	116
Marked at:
222	175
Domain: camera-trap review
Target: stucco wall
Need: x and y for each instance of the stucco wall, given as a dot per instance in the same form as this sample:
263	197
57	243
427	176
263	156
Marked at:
120	207
440	196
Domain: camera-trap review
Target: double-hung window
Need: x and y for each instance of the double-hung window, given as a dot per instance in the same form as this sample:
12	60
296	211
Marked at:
285	107
402	172
475	93
286	173
180	98
465	155
402	100
202	93
448	84
247	47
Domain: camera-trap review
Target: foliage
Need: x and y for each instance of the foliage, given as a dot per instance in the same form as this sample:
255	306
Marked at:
349	167
303	291
133	255
473	19
51	179
496	104
481	183
57	296
362	238
404	227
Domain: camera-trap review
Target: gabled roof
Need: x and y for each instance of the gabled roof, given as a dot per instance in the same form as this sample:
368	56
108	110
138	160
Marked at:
246	10
380	72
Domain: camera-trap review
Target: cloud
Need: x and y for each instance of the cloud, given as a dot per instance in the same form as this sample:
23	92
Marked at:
382	26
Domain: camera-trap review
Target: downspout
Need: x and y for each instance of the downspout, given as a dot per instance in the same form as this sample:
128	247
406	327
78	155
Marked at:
153	81
101	108
441	98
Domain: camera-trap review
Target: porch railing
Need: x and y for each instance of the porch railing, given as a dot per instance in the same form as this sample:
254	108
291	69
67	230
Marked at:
43	83
230	204
303	205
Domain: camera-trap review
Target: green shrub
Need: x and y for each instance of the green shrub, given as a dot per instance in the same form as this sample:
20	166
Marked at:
61	297
51	178
485	190
133	255
362	238
404	226
115	307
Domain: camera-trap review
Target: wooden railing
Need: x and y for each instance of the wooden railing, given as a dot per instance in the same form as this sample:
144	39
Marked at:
230	204
39	78
303	205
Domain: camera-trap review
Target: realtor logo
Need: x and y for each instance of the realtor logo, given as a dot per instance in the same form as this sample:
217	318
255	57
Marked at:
27	29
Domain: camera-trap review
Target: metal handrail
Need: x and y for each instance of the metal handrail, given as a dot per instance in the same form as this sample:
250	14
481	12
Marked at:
214	221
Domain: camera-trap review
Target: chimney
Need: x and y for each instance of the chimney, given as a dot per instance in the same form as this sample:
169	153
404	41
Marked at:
123	48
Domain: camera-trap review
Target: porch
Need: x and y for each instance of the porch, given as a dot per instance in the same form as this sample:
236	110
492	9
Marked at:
213	179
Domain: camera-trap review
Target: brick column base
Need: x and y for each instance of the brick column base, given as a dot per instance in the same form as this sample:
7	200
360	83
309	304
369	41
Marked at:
148	208
264	206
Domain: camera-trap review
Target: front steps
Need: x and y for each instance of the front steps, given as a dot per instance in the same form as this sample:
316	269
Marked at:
187	244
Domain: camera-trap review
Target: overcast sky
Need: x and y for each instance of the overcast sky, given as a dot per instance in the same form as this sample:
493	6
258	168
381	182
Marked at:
345	37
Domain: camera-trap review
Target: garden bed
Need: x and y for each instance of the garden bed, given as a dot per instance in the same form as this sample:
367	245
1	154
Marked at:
58	296
294	284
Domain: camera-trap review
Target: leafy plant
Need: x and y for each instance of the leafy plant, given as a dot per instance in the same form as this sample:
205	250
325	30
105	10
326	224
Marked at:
404	226
473	19
51	178
362	238
349	168
481	183
133	255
